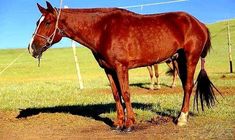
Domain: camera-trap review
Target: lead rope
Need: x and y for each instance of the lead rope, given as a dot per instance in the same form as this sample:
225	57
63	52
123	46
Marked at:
53	34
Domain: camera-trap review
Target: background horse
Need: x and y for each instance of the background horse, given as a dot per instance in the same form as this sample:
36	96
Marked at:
153	71
121	40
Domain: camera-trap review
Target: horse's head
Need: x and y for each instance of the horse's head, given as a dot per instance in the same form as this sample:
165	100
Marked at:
47	31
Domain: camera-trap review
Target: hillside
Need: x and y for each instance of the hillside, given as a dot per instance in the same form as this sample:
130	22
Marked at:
219	53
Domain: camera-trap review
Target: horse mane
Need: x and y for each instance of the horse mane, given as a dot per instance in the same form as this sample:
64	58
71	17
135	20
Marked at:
109	11
99	10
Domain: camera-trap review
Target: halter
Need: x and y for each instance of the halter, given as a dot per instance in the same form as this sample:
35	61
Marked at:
49	39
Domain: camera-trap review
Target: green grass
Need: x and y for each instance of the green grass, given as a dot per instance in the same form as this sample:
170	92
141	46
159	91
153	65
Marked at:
24	85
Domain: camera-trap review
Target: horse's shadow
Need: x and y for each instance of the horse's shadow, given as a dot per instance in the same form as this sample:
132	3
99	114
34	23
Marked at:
91	111
145	85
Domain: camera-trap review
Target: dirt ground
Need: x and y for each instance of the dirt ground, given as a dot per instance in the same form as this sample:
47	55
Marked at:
54	124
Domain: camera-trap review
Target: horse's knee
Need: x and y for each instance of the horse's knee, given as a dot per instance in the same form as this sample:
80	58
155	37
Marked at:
126	96
156	75
151	74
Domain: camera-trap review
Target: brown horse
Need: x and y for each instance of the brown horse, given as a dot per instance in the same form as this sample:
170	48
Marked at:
153	70
121	40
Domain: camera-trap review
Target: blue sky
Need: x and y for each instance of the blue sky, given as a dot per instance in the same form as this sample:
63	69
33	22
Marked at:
18	17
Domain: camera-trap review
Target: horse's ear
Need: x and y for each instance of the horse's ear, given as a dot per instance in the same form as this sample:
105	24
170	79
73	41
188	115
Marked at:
41	9
49	7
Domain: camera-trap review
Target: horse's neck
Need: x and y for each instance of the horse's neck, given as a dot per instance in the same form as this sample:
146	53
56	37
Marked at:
82	26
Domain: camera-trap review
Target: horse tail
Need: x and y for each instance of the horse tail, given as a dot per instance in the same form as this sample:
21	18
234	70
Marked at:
171	68
207	46
204	87
171	65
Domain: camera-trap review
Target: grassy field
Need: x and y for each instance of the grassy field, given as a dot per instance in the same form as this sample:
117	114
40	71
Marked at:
24	85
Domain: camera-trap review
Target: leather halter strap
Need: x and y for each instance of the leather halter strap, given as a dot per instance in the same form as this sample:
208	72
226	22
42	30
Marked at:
49	39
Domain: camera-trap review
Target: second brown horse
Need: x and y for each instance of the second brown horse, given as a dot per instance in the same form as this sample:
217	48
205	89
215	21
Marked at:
153	70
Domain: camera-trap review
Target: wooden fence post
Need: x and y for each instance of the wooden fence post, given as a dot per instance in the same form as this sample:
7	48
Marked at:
76	62
77	65
229	48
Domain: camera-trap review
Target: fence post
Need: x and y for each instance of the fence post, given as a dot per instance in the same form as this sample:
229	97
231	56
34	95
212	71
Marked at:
229	48
76	61
77	65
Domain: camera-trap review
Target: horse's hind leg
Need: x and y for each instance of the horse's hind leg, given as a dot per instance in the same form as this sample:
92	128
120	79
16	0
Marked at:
157	75
186	66
150	69
175	67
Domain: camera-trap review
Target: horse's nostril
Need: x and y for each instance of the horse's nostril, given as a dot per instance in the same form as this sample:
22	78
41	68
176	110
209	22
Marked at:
34	55
32	50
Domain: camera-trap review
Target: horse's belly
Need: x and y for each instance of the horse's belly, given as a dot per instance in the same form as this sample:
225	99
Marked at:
146	56
149	60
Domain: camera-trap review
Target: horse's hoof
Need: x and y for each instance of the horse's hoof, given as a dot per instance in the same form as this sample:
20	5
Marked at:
151	87
158	87
173	86
181	123
129	129
183	119
116	128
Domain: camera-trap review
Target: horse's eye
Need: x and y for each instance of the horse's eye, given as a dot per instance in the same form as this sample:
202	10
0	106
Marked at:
47	23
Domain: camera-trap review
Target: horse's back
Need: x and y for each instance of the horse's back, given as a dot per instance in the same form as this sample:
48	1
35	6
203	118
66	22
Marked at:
147	39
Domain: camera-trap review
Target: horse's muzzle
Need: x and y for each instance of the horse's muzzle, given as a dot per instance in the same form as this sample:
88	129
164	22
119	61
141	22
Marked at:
33	51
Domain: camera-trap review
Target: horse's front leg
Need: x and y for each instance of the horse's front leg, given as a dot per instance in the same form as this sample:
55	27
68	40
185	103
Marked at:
112	76
122	74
